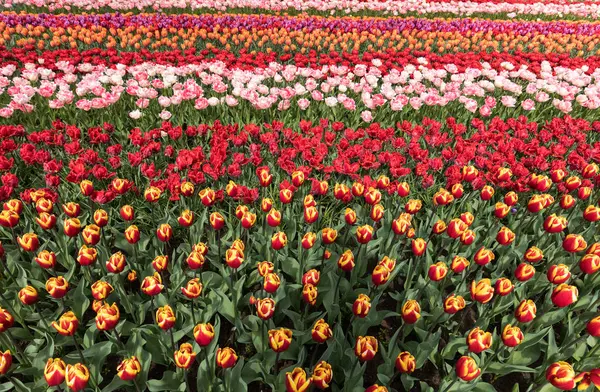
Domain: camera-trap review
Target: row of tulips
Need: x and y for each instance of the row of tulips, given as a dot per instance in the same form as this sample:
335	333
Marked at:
292	34
295	278
555	8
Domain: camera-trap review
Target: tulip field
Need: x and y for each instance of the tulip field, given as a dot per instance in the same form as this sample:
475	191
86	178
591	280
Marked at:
299	195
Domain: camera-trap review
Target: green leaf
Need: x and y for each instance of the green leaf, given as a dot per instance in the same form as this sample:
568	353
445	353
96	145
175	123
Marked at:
170	382
501	369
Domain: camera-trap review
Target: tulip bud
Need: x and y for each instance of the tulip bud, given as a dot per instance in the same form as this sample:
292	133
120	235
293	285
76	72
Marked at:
286	196
29	242
5	362
132	234
265	308
321	332
350	216
217	221
14	205
116	263
152	194
524	272
512	336
372	196
71	209
438	271
438	228
584	192
186	188
207	197
346	261
127	213
160	263
101	290
591	213
442	198
329	235
406	362
280	339
590	263
411	311
46	259
309	201
468	237
593	327
6	320
322	375
555	224
28	295
574	243
572	183
400	226
185	356
248	220
192	289
413	206
365	348
186	219
164	232
274	218
469	173
456	227
204	334
561	375
226	357
57	287
54	372
86	256
308	240
297	381
100	217
557	175
567	201
468	218
132	276
120	185
77	377
503	287
43	205
45	220
505	236
107	317
67	324
487	192
311	277
10	219
129	369
558	273
459	264
342	192
152	285
265	267
564	295
358	189
271	282
484	256
418	246
454	303
361	306
533	255
479	340
467	369
403	189
526	311
377	212
195	260
482	291
310	294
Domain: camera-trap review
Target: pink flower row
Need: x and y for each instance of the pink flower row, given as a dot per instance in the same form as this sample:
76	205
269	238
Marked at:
363	87
396	7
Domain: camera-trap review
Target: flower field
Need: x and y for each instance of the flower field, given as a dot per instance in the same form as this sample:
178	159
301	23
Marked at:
299	195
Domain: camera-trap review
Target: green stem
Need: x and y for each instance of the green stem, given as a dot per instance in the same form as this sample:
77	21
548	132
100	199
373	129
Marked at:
17	348
346	384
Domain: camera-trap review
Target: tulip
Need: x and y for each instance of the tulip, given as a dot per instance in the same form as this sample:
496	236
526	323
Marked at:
271	282
567	201
43	205
406	362
160	263
467	369
28	295
511	199
298	178
526	311
482	291
564	295
400	226
207	197
311	214
5	361
377	212
381	274
484	256
152	285
132	234
459	264
297	381
116	263
248	220
265	308
86	256
505	236
411	311
555	224
46	221
591	213
418	246
165	317
454	303
237	245
310	294
29	242
279	240
101	289
512	336
557	175
524	272
361	306
101	217
372	196
193	288
438	271
240	211
350	216
574	243
593	327
195	260
164	232
358	189
14	205
536	203
273	218
533	255
217	221
457	191
71	227
234	258
71	209
561	375
365	348
186	219
456	227
6	320
286	196
438	228
186	188
572	183
120	185
10	219
346	261
308	240
185	356
54	372
487	192
67	324
479	340
329	235
376	388
321	332
589	264
132	276
342	192
204	334
46	259
311	277
57	287
594	249
280	339
226	357
107	317
503	287
558	273
442	198
403	189
129	368
364	234
322	375
413	206
152	194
